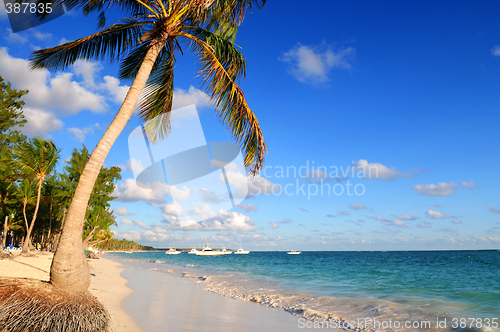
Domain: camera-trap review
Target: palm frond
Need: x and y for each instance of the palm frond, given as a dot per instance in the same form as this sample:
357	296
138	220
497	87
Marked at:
218	79
112	42
234	10
37	157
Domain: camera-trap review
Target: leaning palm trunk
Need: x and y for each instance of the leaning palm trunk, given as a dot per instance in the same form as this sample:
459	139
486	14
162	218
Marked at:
5	230
69	270
50	225
27	244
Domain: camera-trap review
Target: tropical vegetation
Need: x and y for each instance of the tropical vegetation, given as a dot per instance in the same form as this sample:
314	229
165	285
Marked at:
34	196
146	42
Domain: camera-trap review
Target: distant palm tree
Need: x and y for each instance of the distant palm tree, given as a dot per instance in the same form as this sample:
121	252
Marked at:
36	159
146	43
49	193
26	194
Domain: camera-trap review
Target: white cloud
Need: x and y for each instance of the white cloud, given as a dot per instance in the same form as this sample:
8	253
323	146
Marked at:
191	96
304	210
171	208
273	224
39	122
126	221
344	213
437	215
180	194
117	91
129	191
357	206
14	38
399	223
122	211
372	171
494	209
153	236
247	207
225	220
455	221
46	91
469	184
40	35
57	94
87	70
495	50
441	189
209	196
313	64
140	224
425	224
130	235
135	165
80	133
242	185
405	216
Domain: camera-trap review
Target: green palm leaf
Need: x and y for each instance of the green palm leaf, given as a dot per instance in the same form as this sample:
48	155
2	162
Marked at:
112	42
221	65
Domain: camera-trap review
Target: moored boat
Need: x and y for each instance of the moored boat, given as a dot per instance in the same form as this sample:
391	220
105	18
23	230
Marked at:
293	252
172	251
208	251
240	251
225	251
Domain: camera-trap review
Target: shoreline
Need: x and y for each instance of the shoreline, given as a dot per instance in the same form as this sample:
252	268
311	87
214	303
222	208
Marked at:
164	302
223	278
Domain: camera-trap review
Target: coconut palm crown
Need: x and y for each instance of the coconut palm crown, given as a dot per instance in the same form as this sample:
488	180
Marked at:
146	44
158	28
36	158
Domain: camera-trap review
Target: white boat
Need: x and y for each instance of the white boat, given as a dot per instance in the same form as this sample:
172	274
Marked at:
208	251
240	251
172	251
293	252
193	251
225	251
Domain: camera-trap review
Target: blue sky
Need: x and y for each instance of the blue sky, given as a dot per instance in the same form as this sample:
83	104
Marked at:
409	90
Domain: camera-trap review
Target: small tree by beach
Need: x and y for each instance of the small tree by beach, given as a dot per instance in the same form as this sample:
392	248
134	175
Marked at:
11	119
146	42
36	159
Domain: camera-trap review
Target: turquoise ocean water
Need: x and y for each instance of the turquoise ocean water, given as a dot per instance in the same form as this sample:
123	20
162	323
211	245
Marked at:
409	287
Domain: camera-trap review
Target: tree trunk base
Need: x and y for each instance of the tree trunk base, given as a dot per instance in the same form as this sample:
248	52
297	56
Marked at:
34	305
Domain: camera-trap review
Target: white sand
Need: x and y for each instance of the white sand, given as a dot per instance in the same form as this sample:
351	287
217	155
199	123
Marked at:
159	302
106	283
165	303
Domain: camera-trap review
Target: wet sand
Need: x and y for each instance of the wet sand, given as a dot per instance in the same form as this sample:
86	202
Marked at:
161	302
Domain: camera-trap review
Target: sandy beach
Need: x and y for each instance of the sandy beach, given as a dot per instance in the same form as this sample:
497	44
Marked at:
144	300
170	303
106	283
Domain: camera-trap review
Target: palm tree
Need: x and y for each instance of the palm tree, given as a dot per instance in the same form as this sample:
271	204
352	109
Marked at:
36	158
147	43
25	193
49	192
